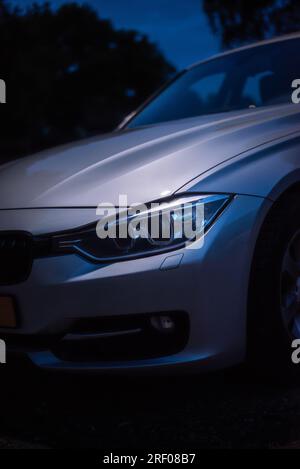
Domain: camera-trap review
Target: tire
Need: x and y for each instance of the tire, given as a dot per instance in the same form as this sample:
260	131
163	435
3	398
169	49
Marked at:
272	293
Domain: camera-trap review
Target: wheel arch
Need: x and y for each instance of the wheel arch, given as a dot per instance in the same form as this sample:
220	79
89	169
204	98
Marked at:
286	192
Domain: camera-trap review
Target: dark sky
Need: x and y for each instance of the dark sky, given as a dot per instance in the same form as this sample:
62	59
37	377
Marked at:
178	26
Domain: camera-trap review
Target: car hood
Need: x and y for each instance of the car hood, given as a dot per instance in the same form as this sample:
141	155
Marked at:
145	163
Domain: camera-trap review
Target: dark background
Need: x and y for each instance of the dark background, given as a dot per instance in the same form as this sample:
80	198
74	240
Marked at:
77	69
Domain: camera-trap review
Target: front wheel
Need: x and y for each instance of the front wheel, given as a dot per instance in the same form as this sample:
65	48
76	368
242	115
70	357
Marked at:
274	294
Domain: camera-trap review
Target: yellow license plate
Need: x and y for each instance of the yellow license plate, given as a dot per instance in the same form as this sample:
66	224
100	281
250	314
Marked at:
7	312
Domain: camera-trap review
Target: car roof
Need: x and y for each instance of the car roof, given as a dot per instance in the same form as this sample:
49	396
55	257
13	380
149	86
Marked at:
282	38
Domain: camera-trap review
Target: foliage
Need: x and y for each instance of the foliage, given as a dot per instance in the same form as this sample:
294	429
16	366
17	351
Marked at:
241	21
69	74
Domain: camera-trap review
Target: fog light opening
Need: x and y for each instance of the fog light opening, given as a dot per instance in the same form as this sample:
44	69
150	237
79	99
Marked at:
163	324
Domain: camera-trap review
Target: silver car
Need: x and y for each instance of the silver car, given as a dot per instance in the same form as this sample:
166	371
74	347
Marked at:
224	136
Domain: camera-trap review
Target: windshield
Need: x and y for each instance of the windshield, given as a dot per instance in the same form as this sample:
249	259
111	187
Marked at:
261	76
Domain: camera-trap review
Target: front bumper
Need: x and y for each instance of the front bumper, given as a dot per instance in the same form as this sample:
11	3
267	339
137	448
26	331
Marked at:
209	285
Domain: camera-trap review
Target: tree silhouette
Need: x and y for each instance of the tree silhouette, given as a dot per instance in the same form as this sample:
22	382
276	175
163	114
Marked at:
69	74
240	21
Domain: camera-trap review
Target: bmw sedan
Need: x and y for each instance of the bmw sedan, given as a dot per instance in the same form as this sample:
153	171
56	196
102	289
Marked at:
96	273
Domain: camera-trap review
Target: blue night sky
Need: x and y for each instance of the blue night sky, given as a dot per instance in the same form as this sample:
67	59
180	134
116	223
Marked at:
179	27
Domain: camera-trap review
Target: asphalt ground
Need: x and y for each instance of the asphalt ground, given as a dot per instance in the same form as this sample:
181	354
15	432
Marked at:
231	409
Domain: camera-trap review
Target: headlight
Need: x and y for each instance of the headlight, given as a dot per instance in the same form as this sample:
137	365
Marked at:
144	230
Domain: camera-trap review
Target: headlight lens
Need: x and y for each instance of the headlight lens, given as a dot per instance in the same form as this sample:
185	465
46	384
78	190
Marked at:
145	231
